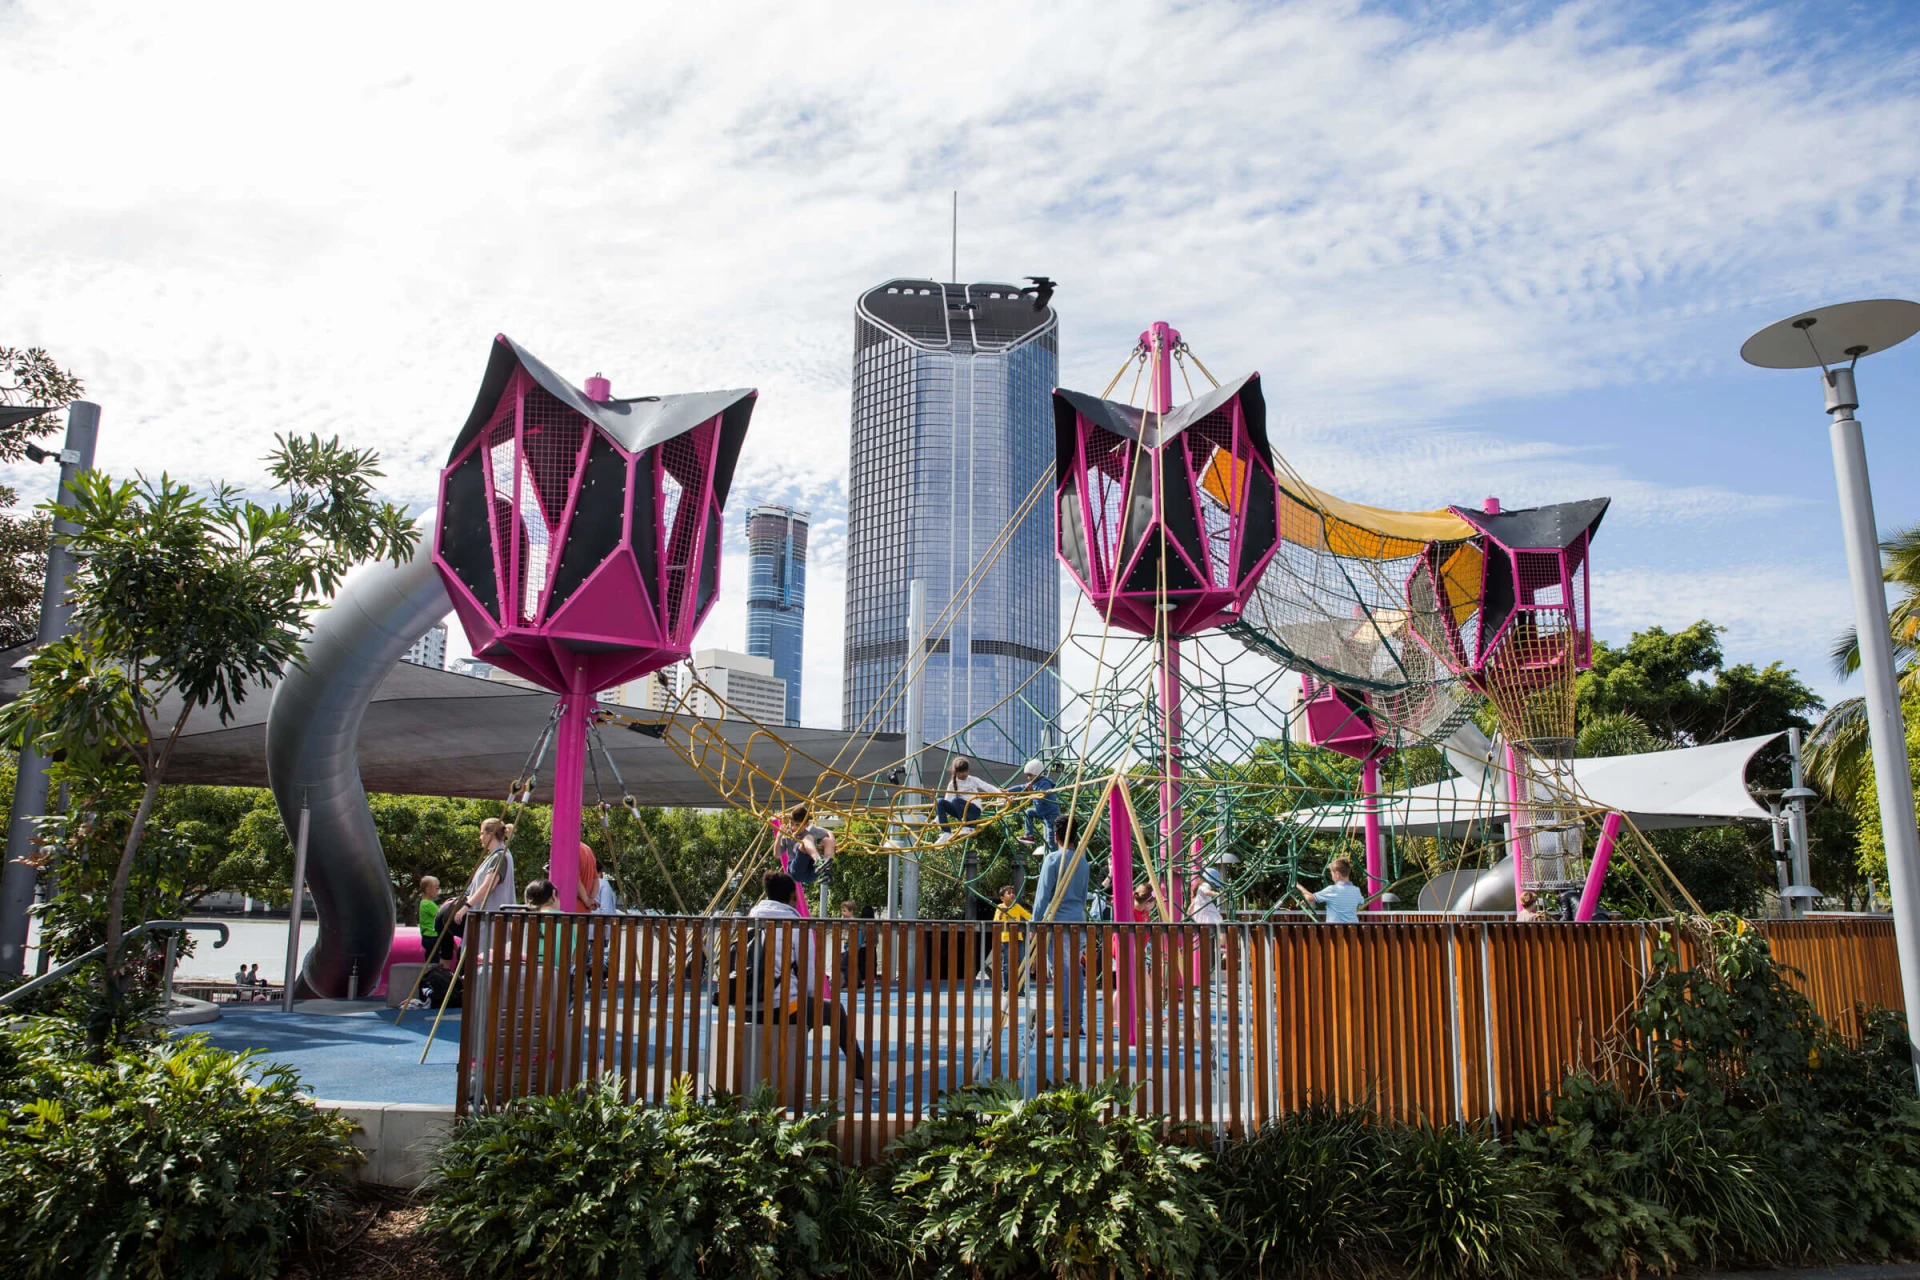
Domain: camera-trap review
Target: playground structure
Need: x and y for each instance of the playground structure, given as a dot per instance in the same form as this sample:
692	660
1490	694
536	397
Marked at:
578	540
1180	524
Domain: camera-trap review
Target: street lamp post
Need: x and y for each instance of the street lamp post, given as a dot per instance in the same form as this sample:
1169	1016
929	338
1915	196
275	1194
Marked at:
1833	339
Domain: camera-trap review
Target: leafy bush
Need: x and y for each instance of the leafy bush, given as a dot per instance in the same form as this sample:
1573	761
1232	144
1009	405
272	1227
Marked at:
1299	1197
583	1184
1755	1135
165	1160
1065	1184
1460	1205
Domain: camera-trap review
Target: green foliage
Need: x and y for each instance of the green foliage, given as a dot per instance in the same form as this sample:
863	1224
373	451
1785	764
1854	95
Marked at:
202	598
173	1160
1300	1197
584	1184
1755	1134
1065	1184
1678	685
28	376
1461	1206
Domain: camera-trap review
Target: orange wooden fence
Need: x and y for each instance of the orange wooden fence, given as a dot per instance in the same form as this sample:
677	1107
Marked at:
1219	1026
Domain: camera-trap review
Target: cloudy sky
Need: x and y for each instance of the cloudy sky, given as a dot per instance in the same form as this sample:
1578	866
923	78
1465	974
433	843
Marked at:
1472	249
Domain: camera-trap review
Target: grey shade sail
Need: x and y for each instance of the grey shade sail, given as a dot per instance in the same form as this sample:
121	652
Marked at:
441	733
638	423
1538	528
1658	790
12	415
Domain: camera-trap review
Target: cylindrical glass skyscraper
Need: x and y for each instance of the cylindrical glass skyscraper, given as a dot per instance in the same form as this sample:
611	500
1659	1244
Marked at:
952	431
777	594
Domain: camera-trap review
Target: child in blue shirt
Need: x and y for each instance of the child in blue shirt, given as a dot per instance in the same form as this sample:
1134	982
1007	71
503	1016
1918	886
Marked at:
1342	897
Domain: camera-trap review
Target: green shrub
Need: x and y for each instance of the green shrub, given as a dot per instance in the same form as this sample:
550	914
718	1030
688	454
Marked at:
1460	1205
1755	1135
583	1184
1065	1184
1300	1197
166	1160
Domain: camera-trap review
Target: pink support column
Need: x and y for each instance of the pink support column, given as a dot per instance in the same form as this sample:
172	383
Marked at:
1370	817
1597	871
1519	823
1170	785
1161	339
569	781
1120	878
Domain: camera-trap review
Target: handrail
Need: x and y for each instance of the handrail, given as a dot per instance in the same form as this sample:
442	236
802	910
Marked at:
151	926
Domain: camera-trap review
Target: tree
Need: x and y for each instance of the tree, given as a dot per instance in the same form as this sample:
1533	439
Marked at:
1678	686
28	376
1838	758
184	601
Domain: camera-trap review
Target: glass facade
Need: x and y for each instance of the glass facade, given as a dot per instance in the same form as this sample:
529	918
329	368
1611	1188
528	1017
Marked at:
777	594
952	431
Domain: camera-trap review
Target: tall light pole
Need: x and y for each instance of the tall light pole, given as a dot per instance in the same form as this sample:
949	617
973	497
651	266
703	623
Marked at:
17	874
1833	339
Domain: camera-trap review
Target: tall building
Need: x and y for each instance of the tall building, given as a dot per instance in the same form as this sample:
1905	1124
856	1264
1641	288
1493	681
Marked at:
430	650
651	692
777	593
746	682
952	430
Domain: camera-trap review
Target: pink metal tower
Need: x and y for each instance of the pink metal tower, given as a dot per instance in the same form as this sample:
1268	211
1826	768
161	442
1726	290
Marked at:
1342	720
1512	613
1166	520
579	538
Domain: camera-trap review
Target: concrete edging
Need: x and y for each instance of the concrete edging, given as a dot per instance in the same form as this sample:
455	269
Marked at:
399	1139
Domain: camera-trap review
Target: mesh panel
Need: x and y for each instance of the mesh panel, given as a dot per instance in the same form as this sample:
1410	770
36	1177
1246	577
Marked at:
1107	456
684	467
500	459
1220	464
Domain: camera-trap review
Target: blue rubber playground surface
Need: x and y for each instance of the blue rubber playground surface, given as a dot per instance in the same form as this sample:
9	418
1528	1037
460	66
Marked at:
357	1056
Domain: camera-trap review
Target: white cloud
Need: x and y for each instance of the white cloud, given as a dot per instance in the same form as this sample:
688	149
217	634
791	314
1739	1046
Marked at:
265	219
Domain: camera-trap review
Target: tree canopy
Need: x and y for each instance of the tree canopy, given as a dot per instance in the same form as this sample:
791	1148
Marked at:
1678	685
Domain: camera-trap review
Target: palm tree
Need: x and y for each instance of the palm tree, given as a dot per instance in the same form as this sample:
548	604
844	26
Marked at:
1837	749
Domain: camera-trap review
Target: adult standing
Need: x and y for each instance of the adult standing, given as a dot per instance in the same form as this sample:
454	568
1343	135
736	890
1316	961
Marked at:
491	886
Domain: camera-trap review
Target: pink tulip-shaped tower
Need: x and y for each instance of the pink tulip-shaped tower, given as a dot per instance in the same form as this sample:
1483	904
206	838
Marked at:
1166	520
579	538
1511	611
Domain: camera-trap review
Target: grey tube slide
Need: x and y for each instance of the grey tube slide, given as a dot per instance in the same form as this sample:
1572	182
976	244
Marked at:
1473	755
313	754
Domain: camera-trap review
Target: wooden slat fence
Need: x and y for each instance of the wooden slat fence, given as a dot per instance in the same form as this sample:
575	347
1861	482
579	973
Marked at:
1223	1027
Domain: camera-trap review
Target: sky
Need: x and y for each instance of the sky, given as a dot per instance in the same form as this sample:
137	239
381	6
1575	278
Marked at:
1472	249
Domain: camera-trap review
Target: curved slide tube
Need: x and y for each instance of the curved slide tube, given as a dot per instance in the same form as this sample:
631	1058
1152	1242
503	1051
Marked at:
313	735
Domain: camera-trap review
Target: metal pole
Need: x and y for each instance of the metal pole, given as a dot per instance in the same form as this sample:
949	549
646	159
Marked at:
293	917
1796	799
1370	824
1780	859
916	735
1886	728
173	954
18	876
